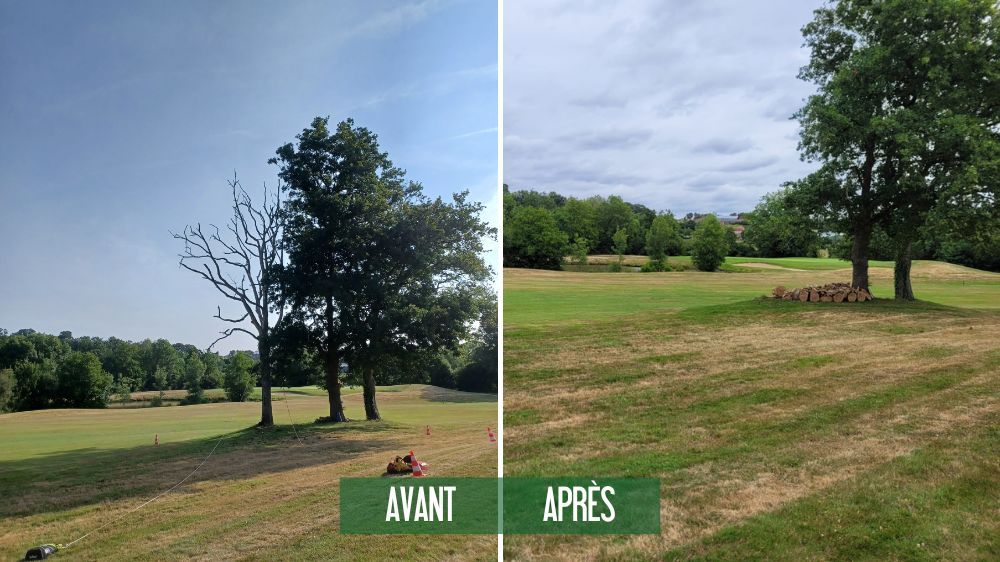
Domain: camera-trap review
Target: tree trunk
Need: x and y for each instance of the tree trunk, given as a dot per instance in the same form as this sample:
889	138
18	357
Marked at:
859	255
264	354
333	391
371	408
901	273
332	368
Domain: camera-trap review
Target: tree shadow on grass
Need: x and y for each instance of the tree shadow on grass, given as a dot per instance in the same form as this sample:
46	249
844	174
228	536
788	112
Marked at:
69	479
438	394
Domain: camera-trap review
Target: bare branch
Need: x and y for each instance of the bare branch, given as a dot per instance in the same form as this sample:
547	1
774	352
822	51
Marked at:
237	261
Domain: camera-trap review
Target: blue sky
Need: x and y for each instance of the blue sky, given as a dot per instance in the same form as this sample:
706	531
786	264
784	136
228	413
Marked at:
122	121
675	104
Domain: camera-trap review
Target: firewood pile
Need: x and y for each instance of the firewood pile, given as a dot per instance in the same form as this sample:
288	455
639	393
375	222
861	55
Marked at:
833	292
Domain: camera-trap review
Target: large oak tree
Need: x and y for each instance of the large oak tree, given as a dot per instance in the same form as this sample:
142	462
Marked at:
376	269
902	89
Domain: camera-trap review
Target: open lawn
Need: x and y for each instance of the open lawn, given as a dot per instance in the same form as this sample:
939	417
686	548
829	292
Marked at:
779	430
263	495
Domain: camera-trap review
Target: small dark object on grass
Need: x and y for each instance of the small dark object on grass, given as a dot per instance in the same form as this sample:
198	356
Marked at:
40	552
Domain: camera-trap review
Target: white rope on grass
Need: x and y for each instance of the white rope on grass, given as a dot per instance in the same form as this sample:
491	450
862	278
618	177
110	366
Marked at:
137	508
289	410
175	486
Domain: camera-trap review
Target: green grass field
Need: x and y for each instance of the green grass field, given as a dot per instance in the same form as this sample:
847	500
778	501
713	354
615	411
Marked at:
779	430
263	495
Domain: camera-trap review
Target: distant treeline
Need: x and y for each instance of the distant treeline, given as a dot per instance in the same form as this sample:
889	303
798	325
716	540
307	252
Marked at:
540	229
40	370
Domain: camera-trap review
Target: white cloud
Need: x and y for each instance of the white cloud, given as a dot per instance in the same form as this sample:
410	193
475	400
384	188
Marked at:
677	105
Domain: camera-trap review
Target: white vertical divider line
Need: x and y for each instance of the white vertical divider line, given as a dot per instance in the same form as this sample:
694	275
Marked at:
500	179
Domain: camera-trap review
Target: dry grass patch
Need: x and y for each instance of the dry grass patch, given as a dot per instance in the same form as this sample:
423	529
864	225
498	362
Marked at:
746	410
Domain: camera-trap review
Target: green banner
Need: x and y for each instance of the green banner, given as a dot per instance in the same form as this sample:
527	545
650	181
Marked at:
419	505
568	505
581	506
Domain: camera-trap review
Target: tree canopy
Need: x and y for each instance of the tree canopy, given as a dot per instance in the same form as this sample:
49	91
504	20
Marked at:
375	268
907	97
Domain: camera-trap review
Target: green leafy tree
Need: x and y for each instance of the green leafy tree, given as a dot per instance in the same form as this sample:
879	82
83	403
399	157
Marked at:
663	238
778	227
6	390
613	215
238	377
82	382
709	245
636	235
620	245
332	178
15	350
905	91
480	373
194	373
579	251
535	239
213	370
578	218
376	269
160	380
421	293
296	365
161	363
121	359
35	384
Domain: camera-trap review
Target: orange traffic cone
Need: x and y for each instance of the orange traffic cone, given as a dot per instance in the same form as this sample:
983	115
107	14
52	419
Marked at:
489	431
428	430
156	439
418	471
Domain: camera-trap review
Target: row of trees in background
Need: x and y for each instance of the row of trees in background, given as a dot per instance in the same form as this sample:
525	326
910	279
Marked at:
356	266
786	223
541	229
42	370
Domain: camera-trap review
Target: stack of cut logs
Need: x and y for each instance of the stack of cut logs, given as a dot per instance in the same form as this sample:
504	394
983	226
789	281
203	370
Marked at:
833	292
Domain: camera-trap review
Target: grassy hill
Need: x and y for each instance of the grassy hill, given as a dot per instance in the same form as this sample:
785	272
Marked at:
263	495
779	430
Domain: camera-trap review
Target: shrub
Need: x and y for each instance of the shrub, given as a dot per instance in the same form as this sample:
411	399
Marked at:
709	245
665	265
822	253
654	266
122	391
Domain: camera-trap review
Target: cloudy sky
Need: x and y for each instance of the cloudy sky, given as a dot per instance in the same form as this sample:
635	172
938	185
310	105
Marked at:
122	121
674	104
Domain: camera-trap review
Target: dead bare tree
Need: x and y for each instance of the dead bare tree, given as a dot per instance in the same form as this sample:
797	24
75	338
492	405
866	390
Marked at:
240	265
